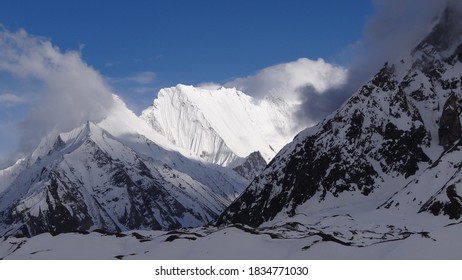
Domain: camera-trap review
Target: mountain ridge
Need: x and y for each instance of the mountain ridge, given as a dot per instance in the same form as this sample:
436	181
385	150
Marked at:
378	145
112	177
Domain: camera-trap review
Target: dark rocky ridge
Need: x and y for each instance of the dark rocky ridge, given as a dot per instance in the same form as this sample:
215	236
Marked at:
383	131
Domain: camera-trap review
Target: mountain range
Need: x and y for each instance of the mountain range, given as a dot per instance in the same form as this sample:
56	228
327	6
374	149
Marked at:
378	178
115	175
177	165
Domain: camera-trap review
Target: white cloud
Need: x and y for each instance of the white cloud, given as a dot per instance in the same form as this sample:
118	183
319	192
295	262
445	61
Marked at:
110	64
143	78
290	81
9	98
7	143
71	91
209	86
286	80
138	83
143	90
395	28
136	89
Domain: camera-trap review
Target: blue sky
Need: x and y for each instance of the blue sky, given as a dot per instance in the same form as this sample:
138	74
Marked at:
137	47
190	42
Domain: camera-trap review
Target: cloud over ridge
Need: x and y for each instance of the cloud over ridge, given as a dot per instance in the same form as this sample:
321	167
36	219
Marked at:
390	34
286	79
70	92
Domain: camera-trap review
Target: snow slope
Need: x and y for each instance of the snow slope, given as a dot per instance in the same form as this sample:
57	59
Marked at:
221	125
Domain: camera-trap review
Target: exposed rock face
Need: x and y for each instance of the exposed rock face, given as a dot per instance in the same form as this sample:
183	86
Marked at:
450	129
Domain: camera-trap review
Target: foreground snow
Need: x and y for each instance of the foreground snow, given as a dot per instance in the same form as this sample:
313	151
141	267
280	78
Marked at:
333	236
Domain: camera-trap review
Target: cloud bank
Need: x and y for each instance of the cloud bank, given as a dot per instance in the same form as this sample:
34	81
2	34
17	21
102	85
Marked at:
287	79
391	33
320	87
70	92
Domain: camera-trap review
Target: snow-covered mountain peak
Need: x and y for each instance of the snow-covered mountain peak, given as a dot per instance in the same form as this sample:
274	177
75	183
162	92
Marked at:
114	175
58	141
221	125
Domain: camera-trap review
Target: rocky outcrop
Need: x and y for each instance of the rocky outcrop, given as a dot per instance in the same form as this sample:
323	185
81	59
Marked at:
252	166
452	208
450	129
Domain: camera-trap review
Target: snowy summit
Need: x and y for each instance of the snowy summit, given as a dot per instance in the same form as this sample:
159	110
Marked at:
221	126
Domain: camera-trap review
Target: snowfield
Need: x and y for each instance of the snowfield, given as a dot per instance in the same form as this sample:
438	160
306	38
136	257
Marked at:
290	241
